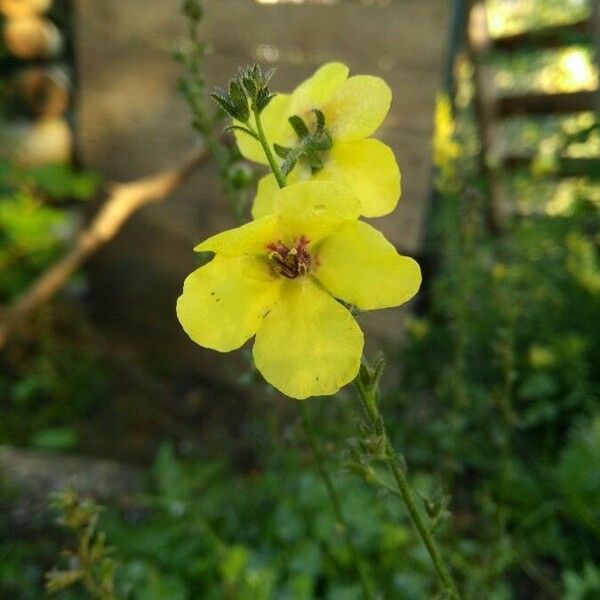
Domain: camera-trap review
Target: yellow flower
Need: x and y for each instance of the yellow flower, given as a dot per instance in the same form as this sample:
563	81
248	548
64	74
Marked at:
353	109
278	277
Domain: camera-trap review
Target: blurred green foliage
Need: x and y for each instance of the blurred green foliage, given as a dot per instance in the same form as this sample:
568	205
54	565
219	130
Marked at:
51	381
36	219
507	18
203	531
498	399
503	366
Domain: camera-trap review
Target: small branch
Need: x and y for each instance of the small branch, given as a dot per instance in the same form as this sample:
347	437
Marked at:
124	200
404	490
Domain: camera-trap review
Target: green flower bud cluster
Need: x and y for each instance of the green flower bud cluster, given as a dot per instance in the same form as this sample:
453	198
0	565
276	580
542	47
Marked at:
248	92
310	147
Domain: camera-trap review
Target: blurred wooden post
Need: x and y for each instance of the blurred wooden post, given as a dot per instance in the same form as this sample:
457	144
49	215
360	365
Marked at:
479	45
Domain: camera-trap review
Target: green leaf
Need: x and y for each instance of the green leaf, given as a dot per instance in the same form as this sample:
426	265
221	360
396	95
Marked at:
298	126
62	182
57	438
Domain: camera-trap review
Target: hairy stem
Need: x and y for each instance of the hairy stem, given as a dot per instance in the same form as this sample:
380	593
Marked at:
336	503
267	150
398	469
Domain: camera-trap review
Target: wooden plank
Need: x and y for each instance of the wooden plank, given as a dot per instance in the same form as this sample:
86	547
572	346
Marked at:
548	37
543	104
478	44
402	34
566	166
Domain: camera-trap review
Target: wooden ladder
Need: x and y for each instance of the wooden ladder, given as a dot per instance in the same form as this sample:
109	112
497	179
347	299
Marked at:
492	108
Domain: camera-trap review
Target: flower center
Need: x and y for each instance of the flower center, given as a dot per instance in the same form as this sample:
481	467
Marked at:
293	260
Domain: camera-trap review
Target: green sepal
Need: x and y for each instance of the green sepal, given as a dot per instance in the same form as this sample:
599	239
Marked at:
321	142
263	97
238	99
221	97
249	85
320	119
313	159
281	151
299	126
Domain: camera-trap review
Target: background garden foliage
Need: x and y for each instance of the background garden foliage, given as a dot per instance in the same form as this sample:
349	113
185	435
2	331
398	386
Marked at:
495	408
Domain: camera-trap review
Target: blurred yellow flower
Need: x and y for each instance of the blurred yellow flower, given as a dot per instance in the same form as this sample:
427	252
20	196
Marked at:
446	150
353	109
278	277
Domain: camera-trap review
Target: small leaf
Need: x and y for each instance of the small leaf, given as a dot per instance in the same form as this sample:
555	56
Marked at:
298	126
57	438
281	151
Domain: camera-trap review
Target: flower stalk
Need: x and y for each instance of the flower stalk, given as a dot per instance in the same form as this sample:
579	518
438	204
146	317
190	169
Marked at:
267	150
367	387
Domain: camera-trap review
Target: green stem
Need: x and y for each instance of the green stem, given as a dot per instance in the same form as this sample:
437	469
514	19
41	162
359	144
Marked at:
336	503
307	423
398	469
267	150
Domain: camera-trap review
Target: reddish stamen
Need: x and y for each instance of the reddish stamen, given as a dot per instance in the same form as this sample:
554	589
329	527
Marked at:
291	261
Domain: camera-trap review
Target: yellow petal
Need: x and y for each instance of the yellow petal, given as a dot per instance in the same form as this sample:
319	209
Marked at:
358	265
267	187
309	344
316	90
251	238
369	169
276	127
224	302
263	201
315	208
357	108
